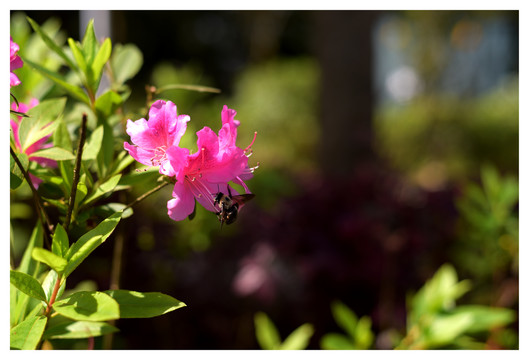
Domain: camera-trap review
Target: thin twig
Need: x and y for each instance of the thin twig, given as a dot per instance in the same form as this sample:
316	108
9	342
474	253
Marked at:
147	194
76	172
43	216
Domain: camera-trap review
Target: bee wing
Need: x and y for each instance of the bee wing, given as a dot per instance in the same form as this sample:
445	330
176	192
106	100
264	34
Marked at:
242	198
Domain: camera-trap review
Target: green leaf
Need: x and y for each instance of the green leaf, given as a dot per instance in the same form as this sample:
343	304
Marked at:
88	305
41	121
27	334
93	144
299	338
27	284
99	61
81	193
73	90
104	188
57	263
108	103
78	55
335	341
17	178
444	329
28	265
79	330
439	293
363	335
485	318
90	241
106	155
133	304
126	62
266	332
344	317
89	43
51	44
60	243
54	153
61	136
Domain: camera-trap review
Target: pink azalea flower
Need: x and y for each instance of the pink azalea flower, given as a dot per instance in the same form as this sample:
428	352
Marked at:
15	63
208	171
36	146
153	137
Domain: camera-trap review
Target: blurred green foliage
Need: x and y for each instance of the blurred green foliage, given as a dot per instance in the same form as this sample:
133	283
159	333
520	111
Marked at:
488	226
359	334
269	339
459	134
435	322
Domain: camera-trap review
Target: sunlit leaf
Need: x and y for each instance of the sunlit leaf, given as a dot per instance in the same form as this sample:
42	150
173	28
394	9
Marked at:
134	304
57	263
88	305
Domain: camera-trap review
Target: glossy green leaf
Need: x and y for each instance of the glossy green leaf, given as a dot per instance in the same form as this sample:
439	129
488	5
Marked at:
266	332
90	241
60	243
134	304
27	284
57	263
88	305
93	144
108	103
73	90
54	153
299	338
335	341
79	330
51	44
27	334
126	62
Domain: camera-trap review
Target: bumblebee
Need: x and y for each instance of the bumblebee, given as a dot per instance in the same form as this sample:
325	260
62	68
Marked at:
229	205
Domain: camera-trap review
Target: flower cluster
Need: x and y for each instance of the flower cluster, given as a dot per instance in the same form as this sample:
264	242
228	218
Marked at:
31	148
200	175
15	62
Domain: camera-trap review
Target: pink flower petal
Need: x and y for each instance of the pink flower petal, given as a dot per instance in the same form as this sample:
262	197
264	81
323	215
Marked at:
182	204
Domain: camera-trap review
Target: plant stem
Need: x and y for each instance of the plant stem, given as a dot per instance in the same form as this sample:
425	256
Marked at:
53	295
43	216
162	185
76	172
